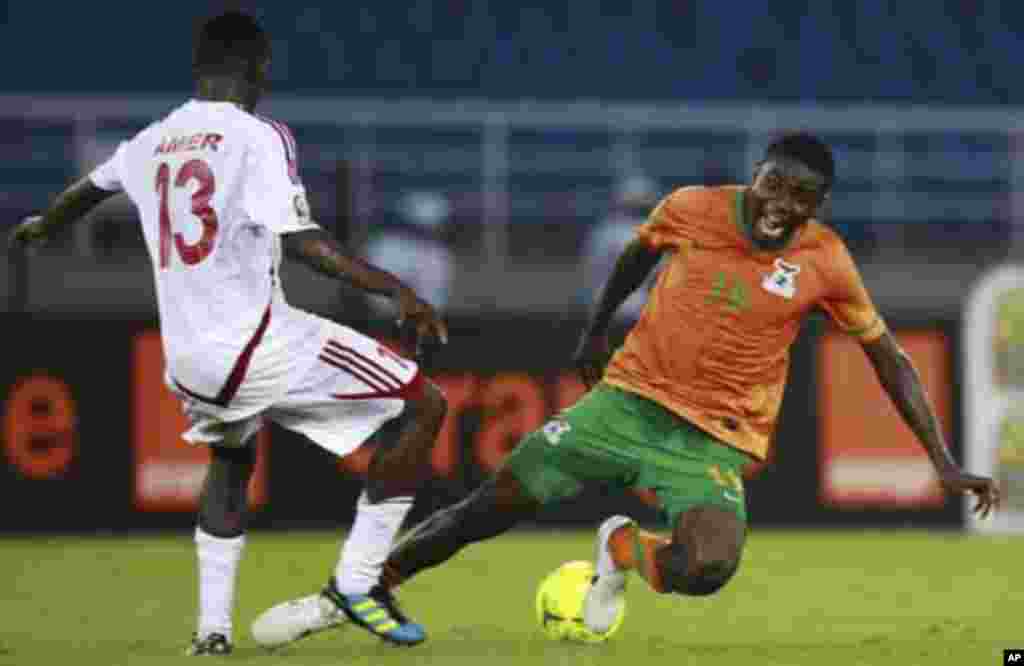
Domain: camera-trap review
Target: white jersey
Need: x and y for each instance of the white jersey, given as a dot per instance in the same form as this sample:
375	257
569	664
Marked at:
215	187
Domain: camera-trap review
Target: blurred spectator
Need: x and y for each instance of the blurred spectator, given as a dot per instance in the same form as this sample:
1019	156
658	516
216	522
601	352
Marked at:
635	196
415	248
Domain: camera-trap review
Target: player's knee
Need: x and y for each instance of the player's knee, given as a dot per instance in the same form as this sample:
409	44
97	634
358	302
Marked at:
434	402
705	551
709	578
699	576
425	401
672	565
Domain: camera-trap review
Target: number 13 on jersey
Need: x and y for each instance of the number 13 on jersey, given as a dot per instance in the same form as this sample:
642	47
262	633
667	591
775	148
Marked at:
199	171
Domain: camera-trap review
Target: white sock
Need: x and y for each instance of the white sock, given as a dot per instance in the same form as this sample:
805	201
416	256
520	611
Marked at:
218	570
368	544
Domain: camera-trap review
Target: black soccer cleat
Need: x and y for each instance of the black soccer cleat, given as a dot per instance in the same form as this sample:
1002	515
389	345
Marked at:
214	644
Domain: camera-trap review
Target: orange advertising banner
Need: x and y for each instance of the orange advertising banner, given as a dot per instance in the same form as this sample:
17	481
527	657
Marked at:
869	457
169	472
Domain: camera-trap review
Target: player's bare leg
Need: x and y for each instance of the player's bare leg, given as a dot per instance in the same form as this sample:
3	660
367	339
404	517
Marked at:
399	468
493	508
700	558
220	540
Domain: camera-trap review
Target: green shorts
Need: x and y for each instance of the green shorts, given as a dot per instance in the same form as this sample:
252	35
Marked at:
615	438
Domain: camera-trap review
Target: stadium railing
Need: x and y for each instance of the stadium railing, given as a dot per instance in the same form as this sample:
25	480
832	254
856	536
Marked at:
915	182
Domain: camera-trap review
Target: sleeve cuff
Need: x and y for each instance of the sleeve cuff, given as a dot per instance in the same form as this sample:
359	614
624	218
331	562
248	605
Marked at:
296	226
868	333
100	182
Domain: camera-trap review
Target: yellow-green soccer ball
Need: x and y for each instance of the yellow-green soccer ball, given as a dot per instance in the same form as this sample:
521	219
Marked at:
560	599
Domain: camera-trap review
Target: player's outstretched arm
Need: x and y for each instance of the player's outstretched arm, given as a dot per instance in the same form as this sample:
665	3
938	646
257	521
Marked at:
318	250
633	266
900	380
66	208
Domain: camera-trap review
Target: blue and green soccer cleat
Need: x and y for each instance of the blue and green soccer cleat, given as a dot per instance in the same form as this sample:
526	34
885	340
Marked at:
378	613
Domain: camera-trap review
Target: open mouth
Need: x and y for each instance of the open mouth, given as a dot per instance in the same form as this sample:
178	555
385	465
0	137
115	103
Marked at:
772	226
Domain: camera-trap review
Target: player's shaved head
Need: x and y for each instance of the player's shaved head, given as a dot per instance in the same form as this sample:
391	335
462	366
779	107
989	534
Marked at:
807	149
232	43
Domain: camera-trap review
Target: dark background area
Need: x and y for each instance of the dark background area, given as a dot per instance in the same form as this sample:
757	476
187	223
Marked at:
305	486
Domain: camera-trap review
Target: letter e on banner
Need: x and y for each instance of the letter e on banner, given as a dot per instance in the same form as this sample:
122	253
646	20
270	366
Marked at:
40	427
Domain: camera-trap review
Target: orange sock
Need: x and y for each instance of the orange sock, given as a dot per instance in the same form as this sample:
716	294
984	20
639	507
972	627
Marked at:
634	548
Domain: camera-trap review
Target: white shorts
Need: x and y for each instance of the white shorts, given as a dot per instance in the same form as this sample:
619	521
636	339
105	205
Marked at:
354	386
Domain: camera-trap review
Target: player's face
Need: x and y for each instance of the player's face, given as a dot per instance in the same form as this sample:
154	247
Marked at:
787	194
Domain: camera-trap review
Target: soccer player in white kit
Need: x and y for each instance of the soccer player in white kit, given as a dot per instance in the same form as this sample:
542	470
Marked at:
220	201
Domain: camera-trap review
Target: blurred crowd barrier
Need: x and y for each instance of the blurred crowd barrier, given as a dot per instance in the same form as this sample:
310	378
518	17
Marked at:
520	206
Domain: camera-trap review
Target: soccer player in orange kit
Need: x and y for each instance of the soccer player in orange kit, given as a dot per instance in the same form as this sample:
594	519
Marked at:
693	394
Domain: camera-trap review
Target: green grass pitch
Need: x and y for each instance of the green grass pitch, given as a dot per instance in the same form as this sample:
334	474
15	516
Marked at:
837	598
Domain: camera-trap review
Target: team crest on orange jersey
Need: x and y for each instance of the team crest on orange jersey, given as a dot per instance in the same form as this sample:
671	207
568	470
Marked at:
783	280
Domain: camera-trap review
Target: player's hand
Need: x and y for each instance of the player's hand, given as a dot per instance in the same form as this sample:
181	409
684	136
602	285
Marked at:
985	489
591	357
419	317
28	233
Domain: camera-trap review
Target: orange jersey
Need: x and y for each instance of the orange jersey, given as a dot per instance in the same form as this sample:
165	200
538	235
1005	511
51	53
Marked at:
712	344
